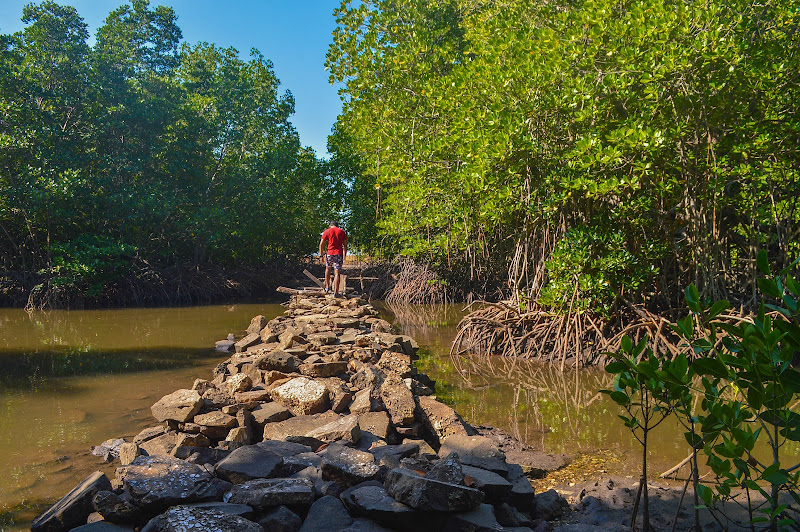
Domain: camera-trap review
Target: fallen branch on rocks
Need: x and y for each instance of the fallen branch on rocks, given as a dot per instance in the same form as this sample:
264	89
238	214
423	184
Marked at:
319	420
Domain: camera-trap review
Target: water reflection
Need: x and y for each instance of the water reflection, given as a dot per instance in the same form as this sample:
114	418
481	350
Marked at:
553	411
72	379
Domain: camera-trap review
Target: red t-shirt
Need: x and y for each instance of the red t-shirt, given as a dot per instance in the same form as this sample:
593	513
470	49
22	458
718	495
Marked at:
336	238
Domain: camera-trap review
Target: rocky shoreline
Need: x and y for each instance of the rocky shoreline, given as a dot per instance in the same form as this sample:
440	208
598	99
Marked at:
318	421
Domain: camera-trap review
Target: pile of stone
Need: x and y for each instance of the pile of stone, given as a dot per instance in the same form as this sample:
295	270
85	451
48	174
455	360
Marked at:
318	421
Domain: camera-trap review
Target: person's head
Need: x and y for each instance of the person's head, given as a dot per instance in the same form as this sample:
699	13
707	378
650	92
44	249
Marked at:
333	223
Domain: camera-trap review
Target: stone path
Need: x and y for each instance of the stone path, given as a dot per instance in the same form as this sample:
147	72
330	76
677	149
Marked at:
318	421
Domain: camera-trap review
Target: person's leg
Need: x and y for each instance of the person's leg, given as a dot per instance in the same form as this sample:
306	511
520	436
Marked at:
337	265
327	272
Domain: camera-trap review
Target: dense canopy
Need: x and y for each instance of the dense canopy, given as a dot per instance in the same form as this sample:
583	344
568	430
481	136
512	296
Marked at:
593	150
141	153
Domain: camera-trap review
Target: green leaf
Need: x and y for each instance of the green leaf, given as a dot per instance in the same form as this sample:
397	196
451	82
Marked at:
762	262
709	366
769	287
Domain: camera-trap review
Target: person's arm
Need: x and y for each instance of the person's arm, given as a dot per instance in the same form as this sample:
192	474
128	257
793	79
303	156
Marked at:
322	250
344	249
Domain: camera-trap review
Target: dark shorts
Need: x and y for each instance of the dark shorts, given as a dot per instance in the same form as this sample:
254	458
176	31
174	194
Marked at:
333	261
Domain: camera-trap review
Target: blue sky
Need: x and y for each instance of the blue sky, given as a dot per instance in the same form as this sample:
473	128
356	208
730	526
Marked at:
293	34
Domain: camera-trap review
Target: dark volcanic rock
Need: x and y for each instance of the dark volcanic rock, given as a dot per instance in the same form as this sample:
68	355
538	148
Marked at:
247	463
102	526
348	466
522	494
551	505
423	493
114	508
195	519
327	514
477	451
398	451
281	519
277	361
373	501
481	519
74	507
448	470
495	487
266	493
155	482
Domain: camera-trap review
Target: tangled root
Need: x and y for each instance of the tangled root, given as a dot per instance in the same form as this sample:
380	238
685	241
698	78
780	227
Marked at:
417	283
577	339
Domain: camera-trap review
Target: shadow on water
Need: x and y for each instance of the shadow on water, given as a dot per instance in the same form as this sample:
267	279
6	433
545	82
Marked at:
26	370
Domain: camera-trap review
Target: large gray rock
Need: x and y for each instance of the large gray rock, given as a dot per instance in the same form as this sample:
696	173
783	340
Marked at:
395	363
423	493
348	466
377	424
74	507
399	402
248	463
269	413
481	519
477	451
397	451
495	487
149	433
195	519
262	494
180	406
522	494
257	324
160	445
109	449
240	382
367	377
327	514
277	360
156	482
285	449
281	519
345	428
339	394
448	470
215	424
441	420
114	508
128	452
302	396
551	505
247	341
366	400
372	501
103	526
297	426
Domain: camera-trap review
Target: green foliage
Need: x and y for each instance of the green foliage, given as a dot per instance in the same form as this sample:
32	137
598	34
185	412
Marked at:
141	150
667	128
744	374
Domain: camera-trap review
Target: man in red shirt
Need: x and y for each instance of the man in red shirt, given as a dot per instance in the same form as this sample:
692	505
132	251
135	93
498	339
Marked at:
336	252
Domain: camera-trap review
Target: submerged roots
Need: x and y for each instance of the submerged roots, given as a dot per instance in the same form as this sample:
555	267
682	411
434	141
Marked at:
575	339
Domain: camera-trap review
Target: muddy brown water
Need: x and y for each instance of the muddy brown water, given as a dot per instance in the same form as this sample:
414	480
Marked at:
72	379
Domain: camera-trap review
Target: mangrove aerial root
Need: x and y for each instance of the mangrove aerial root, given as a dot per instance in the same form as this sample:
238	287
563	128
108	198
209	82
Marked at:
576	339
